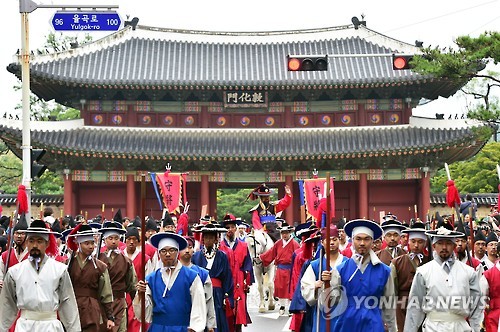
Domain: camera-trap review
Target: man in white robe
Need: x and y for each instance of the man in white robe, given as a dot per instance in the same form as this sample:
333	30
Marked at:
40	287
445	292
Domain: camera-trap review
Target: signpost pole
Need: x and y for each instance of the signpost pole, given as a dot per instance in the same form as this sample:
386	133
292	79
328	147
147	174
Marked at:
26	7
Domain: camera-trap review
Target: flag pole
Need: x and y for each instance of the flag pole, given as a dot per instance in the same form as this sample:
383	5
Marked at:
457	211
143	249
327	225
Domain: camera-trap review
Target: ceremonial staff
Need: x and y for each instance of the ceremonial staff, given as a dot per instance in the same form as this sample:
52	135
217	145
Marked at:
451	199
328	221
143	249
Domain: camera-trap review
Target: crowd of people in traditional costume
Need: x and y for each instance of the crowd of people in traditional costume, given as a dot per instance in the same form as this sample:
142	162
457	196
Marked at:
73	274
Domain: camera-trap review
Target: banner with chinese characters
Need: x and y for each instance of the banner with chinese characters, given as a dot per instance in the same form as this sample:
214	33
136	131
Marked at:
315	197
247	98
170	186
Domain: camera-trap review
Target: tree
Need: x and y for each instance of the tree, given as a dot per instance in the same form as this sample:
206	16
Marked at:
234	201
10	165
464	64
476	175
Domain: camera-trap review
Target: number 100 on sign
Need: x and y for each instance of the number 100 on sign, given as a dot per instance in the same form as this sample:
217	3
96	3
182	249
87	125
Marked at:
86	21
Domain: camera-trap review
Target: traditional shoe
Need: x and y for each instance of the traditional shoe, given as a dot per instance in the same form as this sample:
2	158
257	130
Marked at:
282	311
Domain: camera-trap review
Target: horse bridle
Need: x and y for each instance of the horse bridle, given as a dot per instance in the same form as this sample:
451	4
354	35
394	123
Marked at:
256	260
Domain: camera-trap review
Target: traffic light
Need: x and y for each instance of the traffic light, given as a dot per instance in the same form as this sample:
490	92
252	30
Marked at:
307	62
401	62
37	169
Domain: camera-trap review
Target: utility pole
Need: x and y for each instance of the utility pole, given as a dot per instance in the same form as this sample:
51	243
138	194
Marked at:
26	7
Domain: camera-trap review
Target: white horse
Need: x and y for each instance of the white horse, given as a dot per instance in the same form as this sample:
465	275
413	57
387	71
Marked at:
258	243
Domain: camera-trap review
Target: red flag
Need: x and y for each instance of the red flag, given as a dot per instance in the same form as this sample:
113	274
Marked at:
315	197
170	185
452	196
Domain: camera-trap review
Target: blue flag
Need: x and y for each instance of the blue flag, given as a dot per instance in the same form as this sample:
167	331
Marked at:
155	186
301	192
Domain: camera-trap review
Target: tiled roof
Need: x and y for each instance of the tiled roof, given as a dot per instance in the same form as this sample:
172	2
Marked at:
132	60
11	199
480	199
215	143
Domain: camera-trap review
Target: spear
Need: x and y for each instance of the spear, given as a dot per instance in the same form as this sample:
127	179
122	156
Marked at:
453	199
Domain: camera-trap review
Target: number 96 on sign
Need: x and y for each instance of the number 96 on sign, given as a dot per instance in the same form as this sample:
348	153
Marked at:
86	21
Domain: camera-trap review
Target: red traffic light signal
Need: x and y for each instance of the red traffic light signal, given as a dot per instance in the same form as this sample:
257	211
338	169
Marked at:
401	62
307	62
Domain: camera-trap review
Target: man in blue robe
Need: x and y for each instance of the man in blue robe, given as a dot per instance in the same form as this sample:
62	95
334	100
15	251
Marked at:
217	263
175	299
361	290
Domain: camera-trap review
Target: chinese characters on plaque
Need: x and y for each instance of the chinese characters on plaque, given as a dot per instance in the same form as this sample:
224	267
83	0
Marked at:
247	98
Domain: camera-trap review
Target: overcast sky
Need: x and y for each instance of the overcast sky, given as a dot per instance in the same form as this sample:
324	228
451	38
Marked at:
433	22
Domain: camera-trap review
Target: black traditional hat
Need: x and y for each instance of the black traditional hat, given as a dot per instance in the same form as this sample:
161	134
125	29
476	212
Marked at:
212	228
206	219
341	224
21	225
262	190
301	229
443	233
228	220
492	237
389	216
111	228
167	220
479	236
118	216
284	226
352	225
160	240
151	225
39	227
417	230
132	231
392	225
65	234
137	222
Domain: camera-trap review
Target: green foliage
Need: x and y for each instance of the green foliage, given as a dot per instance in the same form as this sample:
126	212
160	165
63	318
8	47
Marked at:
234	201
10	170
476	175
49	183
464	64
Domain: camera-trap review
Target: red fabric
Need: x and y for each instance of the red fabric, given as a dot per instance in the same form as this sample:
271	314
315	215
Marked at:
52	249
299	260
22	200
296	322
182	224
281	256
236	257
492	315
452	196
170	185
315	198
347	252
71	240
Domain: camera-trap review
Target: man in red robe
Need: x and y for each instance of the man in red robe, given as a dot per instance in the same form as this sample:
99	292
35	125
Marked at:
133	252
264	213
490	287
242	270
281	253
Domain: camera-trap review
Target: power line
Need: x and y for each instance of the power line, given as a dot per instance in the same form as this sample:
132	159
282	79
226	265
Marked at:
441	16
